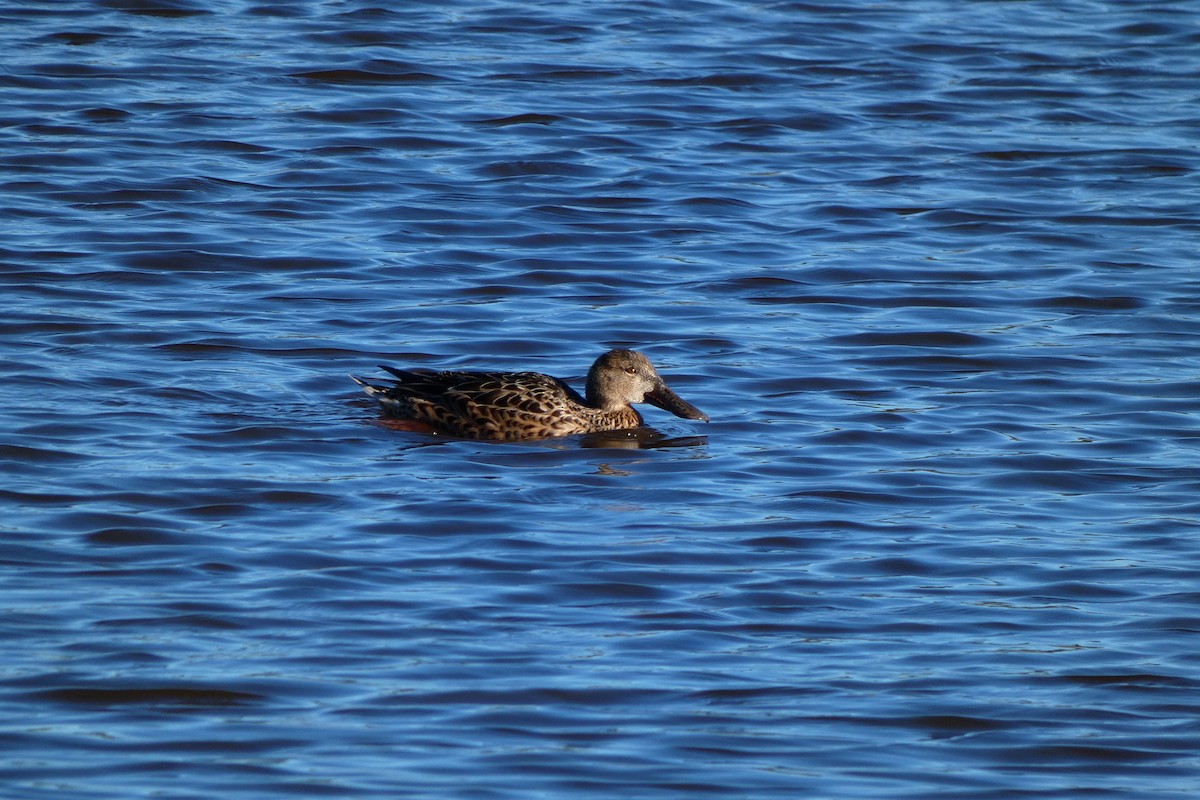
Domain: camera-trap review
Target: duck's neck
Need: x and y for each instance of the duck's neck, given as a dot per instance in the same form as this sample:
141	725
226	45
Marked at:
595	396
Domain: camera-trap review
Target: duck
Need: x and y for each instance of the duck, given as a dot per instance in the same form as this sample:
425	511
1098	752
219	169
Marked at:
507	406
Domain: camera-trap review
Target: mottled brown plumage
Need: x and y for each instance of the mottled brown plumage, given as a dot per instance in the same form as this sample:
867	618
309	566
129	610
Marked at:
529	405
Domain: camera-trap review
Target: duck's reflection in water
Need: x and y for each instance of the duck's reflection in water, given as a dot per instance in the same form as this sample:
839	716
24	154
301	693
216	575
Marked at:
639	438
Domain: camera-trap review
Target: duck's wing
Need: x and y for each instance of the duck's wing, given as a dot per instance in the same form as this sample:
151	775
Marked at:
488	405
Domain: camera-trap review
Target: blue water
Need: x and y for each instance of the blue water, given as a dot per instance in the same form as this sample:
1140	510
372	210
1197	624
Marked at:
929	266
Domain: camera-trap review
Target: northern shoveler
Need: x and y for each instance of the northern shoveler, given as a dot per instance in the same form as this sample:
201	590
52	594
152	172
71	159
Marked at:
529	405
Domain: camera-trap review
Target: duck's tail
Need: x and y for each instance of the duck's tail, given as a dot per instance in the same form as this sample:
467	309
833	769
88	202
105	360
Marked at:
378	392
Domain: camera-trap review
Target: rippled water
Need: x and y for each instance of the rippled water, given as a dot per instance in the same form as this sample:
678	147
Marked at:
929	266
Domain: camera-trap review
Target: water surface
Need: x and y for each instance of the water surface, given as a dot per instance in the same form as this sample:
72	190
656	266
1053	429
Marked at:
928	266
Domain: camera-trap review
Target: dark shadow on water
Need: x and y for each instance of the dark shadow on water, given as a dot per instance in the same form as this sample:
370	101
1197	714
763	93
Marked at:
639	438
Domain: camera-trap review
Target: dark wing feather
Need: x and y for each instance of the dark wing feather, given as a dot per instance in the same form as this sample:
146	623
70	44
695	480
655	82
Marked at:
404	375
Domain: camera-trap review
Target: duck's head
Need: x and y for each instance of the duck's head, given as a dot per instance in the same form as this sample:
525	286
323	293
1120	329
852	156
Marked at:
621	377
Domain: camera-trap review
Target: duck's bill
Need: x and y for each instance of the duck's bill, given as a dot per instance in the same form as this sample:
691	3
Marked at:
667	400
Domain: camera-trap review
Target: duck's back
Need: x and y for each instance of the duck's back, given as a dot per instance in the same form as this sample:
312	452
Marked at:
487	405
